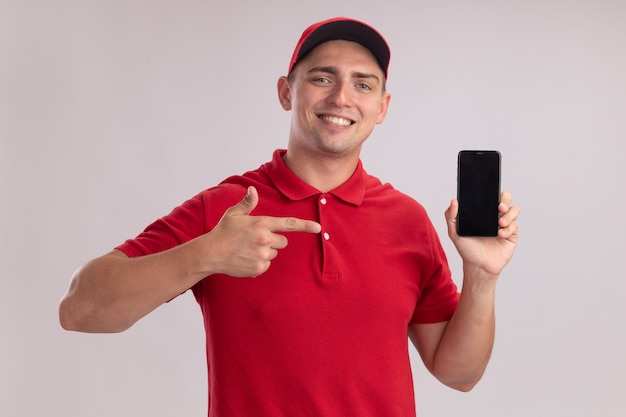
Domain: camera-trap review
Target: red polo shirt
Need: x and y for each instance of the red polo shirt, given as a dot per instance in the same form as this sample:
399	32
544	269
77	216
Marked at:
324	331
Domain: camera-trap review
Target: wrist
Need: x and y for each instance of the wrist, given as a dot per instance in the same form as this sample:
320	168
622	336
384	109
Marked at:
479	280
193	263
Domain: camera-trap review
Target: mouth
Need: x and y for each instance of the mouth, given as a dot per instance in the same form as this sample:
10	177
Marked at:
337	121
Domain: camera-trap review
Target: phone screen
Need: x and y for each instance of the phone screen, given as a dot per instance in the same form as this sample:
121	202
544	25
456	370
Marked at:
478	192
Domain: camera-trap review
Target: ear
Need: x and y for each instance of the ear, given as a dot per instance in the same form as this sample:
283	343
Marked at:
384	106
284	93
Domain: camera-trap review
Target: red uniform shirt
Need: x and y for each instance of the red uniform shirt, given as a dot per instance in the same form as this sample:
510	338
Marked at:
324	331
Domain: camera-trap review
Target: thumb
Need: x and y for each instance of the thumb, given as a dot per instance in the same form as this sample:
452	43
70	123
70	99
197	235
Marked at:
450	215
247	204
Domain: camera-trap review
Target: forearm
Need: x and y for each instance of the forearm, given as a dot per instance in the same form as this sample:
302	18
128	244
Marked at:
457	352
466	344
110	293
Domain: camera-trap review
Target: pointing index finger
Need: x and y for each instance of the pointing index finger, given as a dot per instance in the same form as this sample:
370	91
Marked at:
293	224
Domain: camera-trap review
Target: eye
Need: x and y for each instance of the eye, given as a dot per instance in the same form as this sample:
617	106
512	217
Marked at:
363	86
321	80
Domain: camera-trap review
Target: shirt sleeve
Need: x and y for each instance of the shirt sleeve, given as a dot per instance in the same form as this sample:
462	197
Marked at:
184	223
191	219
439	295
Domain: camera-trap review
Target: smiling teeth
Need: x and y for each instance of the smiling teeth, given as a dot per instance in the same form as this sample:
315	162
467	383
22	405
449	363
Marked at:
337	120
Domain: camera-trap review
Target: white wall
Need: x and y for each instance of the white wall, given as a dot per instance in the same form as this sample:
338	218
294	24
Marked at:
113	112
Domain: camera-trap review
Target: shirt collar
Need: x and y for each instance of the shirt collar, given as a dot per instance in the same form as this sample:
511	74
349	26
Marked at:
352	191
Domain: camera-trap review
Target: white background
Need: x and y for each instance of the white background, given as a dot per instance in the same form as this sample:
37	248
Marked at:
113	112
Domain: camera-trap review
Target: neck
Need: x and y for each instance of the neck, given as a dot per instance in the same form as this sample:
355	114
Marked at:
325	173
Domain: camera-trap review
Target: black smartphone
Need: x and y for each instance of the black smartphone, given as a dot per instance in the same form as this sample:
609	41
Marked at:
478	193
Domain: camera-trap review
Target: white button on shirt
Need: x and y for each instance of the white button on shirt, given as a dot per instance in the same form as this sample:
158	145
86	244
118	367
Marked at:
324	201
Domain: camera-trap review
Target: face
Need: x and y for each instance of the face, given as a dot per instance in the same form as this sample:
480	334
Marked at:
337	96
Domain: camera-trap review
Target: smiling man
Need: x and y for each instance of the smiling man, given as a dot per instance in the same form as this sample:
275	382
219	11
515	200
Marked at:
337	95
310	273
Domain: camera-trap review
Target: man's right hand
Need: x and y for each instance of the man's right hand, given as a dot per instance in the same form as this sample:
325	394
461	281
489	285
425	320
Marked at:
243	245
112	292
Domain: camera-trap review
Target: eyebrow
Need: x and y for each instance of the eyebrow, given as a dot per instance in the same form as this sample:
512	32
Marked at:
333	70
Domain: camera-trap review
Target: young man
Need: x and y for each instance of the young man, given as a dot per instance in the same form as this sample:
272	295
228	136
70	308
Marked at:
311	273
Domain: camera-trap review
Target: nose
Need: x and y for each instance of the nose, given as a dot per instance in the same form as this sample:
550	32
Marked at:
341	95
